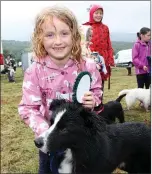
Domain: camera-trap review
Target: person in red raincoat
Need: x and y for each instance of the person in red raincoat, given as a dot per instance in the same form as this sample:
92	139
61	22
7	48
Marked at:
100	40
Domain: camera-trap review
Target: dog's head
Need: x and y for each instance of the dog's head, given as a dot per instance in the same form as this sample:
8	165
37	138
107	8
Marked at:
71	125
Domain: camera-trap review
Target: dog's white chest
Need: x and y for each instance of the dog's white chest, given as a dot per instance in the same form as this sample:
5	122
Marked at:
66	164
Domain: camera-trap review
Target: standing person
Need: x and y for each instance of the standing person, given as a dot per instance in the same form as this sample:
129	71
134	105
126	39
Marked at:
140	53
9	65
149	63
129	69
100	41
88	42
99	60
57	48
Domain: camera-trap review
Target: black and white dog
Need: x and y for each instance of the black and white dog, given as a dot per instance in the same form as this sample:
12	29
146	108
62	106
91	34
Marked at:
112	110
92	146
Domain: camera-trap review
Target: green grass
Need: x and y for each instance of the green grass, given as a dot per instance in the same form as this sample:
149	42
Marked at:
18	153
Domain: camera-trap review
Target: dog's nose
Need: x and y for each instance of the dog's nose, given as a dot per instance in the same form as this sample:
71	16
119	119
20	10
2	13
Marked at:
39	142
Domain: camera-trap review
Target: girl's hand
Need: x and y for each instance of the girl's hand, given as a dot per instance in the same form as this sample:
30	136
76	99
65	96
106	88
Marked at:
145	68
98	66
88	100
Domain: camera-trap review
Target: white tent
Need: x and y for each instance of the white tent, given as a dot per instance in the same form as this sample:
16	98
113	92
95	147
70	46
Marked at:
26	59
124	58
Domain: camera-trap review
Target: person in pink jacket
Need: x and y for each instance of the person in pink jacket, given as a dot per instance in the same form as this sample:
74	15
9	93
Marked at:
141	52
57	62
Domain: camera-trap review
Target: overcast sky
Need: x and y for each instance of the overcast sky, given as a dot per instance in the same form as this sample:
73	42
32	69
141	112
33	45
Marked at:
17	17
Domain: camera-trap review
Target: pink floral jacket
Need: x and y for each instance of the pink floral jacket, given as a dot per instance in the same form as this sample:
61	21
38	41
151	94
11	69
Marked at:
44	81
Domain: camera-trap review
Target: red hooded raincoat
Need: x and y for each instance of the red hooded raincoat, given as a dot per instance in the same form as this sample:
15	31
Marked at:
101	41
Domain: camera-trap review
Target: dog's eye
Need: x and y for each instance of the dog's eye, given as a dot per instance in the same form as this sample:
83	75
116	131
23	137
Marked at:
64	130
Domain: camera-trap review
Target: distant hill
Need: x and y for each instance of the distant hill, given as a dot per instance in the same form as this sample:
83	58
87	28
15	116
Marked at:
16	48
117	46
123	37
16	45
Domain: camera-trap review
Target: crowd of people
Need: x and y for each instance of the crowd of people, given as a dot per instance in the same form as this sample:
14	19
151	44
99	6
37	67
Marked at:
57	47
9	68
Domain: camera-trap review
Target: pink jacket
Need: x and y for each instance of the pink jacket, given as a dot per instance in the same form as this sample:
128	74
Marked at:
140	51
44	81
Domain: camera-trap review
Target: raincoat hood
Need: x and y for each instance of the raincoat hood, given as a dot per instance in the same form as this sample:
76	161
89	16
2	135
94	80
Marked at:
92	10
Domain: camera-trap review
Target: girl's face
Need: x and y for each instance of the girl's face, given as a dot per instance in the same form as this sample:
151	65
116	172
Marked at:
57	39
146	37
98	15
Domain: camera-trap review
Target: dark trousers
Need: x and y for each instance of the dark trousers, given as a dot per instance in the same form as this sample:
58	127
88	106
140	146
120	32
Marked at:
143	80
44	163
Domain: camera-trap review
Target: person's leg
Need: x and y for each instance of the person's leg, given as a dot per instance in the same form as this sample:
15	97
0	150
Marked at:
44	163
9	76
140	80
140	84
12	75
147	81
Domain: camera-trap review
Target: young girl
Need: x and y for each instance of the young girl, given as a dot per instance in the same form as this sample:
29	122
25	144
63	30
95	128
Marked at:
100	41
141	52
99	60
56	44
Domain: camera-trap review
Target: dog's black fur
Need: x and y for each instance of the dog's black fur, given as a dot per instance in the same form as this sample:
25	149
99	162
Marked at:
97	147
111	111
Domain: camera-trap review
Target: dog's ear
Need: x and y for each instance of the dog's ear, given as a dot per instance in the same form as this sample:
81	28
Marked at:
87	117
92	121
56	103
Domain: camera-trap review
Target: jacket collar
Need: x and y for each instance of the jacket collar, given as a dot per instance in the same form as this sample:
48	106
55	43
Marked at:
143	43
50	64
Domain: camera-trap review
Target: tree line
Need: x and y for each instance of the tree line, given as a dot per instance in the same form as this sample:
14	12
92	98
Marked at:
16	48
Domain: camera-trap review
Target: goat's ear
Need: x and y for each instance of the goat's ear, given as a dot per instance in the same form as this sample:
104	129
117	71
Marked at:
56	103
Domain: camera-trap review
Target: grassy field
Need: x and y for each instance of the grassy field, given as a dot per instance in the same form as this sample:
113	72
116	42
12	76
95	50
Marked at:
18	153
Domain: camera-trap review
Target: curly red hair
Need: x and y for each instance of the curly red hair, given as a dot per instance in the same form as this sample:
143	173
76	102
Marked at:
64	15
